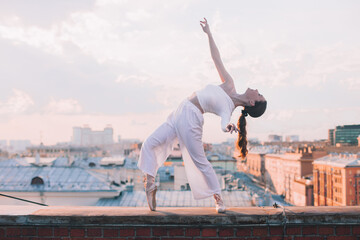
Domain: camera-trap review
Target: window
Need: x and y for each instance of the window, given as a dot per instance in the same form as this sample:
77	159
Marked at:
37	181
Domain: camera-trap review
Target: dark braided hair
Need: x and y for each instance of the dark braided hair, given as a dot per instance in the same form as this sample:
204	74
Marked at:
255	111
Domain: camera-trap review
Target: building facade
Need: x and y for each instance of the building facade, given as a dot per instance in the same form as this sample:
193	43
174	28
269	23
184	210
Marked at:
255	165
18	145
87	137
275	138
284	173
337	180
292	138
331	137
283	169
64	151
303	191
345	135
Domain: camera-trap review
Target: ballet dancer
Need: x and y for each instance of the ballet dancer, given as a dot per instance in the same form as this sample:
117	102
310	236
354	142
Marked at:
186	125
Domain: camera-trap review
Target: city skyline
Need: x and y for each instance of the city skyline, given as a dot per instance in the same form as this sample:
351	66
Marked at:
129	64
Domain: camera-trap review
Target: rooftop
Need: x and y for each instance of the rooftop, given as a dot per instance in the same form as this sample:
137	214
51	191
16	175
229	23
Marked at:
176	199
340	160
28	178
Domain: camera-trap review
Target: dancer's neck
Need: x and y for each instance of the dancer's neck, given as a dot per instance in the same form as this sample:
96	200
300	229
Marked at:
240	100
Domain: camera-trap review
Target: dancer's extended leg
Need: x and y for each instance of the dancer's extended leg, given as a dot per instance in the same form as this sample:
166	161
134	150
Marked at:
153	154
156	149
150	190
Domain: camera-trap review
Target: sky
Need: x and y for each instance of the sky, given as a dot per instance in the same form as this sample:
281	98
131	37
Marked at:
130	63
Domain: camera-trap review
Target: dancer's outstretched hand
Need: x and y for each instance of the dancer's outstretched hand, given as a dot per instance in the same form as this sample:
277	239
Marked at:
231	128
205	26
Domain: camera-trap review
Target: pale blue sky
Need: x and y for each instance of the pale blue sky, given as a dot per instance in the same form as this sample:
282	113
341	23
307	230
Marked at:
130	63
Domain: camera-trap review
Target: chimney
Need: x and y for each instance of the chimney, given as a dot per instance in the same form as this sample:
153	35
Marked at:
70	160
37	158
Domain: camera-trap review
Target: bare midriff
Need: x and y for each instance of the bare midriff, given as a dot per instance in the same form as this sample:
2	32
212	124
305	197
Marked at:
194	100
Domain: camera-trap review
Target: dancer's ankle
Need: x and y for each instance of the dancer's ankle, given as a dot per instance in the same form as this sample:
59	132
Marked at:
149	181
217	196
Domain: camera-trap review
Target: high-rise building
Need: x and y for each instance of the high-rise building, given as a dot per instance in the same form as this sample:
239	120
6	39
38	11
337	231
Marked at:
86	137
331	137
344	135
337	180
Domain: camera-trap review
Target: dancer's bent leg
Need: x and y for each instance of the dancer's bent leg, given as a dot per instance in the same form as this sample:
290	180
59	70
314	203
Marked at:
219	203
200	173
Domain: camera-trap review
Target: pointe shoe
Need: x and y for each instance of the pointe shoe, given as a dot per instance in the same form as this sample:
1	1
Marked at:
150	190
220	206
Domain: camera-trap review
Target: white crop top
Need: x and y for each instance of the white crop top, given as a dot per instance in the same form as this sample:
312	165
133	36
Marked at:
214	99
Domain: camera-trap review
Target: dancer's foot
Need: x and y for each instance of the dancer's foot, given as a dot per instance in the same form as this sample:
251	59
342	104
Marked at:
150	189
220	206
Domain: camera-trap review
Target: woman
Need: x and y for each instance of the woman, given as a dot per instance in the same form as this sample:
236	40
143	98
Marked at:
186	123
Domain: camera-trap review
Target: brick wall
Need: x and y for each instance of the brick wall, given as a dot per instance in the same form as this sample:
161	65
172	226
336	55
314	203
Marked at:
186	232
182	223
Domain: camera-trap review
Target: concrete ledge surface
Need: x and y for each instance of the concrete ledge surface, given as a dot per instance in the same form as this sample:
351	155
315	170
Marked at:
123	216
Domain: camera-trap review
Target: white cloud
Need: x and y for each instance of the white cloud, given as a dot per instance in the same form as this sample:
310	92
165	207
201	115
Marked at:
138	15
18	103
110	2
63	106
280	115
45	39
158	43
111	32
277	64
134	78
352	83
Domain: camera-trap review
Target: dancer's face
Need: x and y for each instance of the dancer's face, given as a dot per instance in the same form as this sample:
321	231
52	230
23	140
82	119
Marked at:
254	96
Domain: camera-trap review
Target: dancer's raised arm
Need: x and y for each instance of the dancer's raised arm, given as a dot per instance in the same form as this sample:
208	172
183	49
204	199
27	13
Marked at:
224	75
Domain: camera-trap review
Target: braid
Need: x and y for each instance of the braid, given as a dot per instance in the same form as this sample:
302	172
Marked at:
242	141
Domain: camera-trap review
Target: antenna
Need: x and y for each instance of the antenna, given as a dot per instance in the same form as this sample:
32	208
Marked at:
41	137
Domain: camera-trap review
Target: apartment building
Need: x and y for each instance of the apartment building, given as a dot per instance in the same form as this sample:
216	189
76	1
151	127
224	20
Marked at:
286	173
337	180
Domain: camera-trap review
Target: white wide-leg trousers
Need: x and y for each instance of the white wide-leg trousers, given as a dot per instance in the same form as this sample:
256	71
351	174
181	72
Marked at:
185	124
